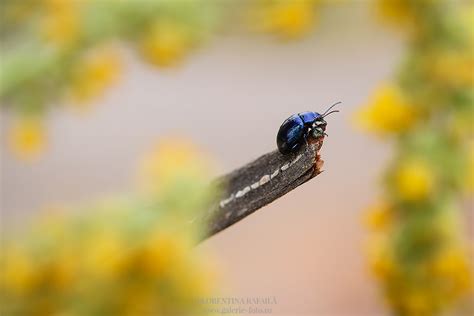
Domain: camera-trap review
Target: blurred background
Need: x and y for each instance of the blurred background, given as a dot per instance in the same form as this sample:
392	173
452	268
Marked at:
308	249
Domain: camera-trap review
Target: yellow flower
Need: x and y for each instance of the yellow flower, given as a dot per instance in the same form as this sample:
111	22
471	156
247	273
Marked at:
63	270
417	301
414	180
161	252
172	159
60	23
27	138
129	258
399	12
380	257
195	285
454	68
166	43
138	299
388	112
289	19
171	257
19	271
107	255
379	216
98	70
451	266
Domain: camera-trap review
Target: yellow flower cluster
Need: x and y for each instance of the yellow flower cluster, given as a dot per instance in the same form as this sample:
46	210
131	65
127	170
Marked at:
454	69
172	158
97	70
132	273
91	76
57	52
453	266
416	246
388	112
59	49
381	257
166	43
285	18
165	172
27	138
413	286
60	23
397	11
414	180
380	216
130	257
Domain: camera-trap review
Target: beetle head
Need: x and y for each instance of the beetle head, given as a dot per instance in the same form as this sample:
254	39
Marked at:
319	127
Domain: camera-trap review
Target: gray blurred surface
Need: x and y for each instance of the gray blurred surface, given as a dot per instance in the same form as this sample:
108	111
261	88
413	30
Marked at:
305	249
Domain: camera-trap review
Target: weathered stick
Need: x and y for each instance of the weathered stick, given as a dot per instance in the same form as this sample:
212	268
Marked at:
260	182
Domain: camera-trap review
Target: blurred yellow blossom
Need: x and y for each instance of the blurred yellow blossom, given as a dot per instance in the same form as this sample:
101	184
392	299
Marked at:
60	22
27	138
452	267
166	43
162	252
129	256
414	180
107	254
399	12
171	159
19	273
96	71
63	270
379	216
387	112
455	69
421	262
416	301
287	18
380	257
137	299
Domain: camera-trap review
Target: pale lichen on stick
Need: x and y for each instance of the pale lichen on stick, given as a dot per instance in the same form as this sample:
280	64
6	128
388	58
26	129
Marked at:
260	182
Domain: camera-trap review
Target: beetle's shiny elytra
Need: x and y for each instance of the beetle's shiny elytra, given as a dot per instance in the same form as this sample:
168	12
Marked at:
294	131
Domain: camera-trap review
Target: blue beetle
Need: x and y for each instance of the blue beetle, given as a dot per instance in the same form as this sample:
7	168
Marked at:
294	130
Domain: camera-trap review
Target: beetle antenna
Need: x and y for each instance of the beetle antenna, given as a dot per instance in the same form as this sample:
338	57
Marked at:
334	111
339	102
